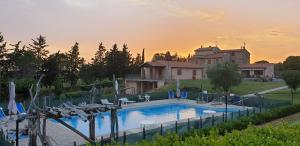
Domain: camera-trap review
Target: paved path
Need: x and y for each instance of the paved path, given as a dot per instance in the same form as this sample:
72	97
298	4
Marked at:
267	91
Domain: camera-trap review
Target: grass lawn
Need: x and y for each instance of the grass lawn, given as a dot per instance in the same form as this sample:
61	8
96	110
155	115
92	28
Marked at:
246	87
284	95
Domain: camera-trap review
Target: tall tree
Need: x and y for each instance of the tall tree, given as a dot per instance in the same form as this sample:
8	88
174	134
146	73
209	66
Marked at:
143	56
168	56
125	58
88	72
113	62
38	47
3	49
21	62
224	76
262	61
54	67
3	53
136	63
97	68
292	63
292	80
3	61
100	54
74	64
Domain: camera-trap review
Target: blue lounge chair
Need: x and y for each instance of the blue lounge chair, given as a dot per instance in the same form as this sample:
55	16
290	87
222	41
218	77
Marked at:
236	99
171	94
20	108
105	102
2	114
184	95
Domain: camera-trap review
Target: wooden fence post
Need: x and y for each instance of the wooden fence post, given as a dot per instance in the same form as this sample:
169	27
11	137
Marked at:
176	126
144	133
124	137
212	120
161	129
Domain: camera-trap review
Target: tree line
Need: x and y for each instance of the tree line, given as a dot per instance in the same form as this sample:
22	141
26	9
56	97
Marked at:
28	62
170	57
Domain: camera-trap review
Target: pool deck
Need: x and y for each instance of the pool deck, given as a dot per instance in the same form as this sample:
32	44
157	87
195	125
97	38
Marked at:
65	137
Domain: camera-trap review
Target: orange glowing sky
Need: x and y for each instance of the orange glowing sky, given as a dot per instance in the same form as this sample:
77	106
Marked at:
270	28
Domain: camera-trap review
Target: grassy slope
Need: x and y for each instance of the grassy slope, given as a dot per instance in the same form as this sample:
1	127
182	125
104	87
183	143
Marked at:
246	87
284	95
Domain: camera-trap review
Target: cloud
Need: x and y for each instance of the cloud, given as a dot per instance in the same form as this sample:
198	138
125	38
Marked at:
205	15
85	4
181	10
277	31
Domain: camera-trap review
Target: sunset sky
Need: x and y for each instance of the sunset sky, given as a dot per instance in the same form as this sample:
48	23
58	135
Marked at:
270	28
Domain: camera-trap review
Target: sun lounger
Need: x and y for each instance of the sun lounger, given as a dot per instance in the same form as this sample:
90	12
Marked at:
105	102
171	94
140	98
72	107
20	108
184	95
236	100
3	118
147	98
125	101
2	115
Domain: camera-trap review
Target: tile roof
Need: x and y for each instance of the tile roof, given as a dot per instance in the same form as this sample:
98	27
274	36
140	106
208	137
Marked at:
172	64
214	56
256	65
210	48
233	50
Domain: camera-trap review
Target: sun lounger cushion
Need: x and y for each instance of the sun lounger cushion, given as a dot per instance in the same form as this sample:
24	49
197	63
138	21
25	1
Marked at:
20	108
105	101
2	114
171	94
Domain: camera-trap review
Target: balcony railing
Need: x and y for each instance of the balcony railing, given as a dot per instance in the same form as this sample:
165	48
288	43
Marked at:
133	76
139	76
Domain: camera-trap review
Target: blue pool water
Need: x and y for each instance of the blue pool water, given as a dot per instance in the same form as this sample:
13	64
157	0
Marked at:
131	118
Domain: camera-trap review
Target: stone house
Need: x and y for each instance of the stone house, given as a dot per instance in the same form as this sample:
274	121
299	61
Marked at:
210	56
156	74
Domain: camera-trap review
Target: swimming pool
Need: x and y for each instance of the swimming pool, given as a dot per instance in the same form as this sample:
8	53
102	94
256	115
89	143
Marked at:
131	118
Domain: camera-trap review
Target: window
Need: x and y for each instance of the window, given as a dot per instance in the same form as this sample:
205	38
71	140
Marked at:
209	61
232	54
194	72
179	72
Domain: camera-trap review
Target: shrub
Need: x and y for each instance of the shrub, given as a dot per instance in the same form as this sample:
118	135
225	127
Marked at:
280	135
22	86
107	91
76	94
219	135
106	83
58	86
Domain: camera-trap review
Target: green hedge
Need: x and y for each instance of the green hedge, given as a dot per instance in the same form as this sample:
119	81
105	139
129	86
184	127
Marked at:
255	119
279	136
220	133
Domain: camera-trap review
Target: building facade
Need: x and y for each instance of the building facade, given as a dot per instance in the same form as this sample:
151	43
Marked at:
155	74
263	70
210	56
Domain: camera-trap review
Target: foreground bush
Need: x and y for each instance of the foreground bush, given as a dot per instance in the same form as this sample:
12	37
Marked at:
228	134
255	119
280	135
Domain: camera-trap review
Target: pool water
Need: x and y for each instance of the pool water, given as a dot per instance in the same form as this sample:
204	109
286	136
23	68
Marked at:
132	118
